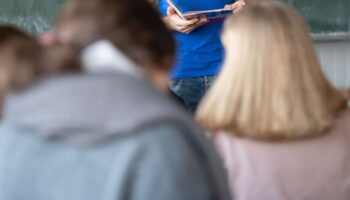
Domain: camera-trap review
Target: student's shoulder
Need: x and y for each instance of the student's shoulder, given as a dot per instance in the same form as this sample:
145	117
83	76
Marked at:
162	145
171	140
163	157
169	134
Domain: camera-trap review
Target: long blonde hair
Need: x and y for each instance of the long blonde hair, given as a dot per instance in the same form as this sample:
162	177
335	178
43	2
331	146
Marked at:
271	85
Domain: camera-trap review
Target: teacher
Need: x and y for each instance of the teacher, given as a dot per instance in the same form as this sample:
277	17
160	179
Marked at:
199	49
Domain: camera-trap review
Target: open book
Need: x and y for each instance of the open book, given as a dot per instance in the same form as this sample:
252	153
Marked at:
186	13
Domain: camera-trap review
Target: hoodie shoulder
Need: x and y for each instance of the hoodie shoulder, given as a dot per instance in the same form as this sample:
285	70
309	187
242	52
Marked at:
167	164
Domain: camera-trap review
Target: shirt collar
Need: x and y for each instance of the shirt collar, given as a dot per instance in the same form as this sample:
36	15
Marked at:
104	56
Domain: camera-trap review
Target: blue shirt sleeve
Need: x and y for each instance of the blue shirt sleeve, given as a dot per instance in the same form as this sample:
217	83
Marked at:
163	7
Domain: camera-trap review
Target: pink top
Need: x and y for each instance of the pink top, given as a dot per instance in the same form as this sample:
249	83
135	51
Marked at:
313	169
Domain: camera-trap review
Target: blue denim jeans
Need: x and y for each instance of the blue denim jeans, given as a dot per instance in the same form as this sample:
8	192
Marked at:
191	90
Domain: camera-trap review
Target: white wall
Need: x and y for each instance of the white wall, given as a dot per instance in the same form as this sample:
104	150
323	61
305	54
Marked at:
335	60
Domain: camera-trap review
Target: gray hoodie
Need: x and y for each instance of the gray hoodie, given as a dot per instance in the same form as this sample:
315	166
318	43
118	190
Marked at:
103	136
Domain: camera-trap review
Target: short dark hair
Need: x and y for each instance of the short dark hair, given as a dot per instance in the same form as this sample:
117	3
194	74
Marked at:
24	59
134	26
20	60
20	56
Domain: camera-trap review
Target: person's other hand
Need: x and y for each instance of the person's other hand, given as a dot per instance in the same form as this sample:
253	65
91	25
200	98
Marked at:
237	6
175	22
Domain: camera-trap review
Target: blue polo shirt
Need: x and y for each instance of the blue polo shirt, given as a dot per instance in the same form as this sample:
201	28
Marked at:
199	53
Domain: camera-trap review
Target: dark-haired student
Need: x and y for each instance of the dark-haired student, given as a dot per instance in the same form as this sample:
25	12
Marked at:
19	60
107	131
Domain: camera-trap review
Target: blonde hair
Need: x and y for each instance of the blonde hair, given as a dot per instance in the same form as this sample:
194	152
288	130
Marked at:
271	85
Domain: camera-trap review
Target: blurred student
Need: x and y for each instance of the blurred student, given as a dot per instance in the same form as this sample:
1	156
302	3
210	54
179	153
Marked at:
199	49
282	129
19	60
109	132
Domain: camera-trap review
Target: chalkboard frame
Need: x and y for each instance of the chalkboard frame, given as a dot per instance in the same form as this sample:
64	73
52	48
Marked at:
303	7
330	36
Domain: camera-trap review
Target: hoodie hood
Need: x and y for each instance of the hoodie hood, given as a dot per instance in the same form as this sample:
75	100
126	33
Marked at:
102	55
88	106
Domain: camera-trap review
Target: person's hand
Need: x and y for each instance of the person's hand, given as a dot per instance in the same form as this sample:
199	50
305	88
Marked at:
237	6
175	22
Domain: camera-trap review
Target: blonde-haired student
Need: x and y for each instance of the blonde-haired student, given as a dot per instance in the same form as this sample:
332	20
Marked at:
282	129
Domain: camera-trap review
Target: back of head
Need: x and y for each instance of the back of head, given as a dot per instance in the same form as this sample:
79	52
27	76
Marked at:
20	56
134	26
271	85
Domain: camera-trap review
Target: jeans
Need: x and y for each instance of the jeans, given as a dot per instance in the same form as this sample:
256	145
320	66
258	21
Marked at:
191	90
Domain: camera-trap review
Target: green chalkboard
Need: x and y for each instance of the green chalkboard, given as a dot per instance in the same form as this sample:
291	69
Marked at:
34	16
325	16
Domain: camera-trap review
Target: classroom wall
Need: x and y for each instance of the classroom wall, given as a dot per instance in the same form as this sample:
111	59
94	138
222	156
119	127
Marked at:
324	16
34	16
335	60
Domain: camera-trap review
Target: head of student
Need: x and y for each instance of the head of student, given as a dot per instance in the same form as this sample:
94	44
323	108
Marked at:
271	85
20	56
133	26
24	59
